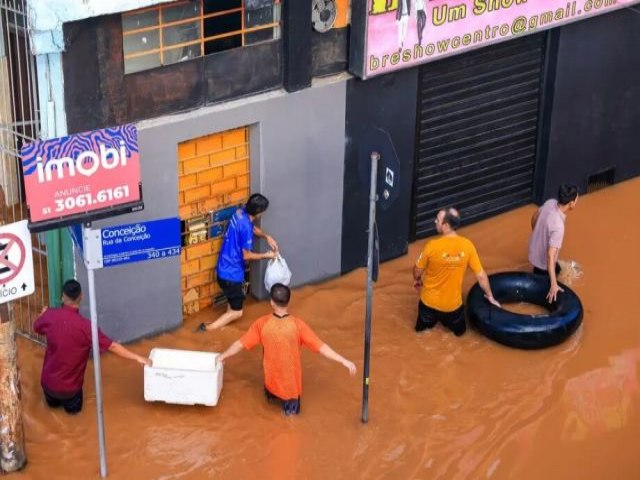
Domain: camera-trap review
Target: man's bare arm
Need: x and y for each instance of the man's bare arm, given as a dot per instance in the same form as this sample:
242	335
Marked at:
554	288
417	277
258	232
248	255
483	281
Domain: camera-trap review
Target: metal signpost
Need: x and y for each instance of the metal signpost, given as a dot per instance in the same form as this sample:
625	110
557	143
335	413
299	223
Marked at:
88	236
375	157
118	245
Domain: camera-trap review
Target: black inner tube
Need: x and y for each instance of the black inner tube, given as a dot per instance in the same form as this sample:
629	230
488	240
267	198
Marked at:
520	330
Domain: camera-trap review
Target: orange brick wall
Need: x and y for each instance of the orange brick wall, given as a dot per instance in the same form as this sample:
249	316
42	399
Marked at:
213	173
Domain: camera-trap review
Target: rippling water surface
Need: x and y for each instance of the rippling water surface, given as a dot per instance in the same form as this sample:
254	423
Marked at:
441	407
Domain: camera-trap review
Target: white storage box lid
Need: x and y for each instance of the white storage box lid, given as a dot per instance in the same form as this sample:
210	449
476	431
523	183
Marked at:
183	377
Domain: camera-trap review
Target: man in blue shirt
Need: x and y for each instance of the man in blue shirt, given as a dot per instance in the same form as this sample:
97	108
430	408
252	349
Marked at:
237	248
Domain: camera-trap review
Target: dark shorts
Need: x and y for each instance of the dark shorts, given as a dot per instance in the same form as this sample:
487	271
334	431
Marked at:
234	293
540	271
72	404
290	407
428	317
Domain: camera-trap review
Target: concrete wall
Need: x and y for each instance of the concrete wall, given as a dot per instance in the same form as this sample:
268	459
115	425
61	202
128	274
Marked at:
297	137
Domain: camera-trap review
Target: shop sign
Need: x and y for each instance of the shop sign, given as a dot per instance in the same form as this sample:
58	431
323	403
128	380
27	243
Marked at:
82	177
16	262
390	35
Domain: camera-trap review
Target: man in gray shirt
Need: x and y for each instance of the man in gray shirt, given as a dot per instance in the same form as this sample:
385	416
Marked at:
548	232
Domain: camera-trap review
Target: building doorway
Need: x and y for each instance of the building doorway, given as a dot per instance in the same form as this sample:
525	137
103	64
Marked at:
214	179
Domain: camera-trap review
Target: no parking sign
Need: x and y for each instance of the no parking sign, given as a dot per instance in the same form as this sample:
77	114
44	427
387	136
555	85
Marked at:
16	262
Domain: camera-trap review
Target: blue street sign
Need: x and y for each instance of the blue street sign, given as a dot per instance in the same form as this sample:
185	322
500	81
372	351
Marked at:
219	220
224	214
216	230
137	242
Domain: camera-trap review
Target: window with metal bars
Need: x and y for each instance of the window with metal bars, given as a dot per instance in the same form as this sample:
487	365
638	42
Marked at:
175	32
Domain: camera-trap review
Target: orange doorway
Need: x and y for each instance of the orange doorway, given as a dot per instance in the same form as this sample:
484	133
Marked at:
214	174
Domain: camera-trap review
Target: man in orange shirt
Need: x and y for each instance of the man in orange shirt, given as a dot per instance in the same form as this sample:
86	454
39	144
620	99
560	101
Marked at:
281	336
439	272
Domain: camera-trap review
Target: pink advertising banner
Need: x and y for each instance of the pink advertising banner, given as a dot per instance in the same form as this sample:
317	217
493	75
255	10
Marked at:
76	176
403	33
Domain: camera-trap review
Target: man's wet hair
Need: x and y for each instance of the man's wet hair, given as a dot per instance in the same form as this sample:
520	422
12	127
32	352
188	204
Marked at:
567	193
72	290
280	294
452	217
257	204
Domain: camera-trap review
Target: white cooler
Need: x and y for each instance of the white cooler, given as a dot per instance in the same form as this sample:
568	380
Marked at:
183	377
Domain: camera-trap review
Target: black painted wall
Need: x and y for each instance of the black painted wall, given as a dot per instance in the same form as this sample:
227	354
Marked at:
98	94
381	115
330	51
296	16
595	117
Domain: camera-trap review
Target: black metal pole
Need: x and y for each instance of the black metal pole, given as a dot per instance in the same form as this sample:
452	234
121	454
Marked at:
375	157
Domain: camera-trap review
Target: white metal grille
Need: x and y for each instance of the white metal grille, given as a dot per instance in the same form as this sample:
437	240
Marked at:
19	124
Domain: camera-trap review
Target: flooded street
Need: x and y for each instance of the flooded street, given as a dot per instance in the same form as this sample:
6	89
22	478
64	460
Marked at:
441	407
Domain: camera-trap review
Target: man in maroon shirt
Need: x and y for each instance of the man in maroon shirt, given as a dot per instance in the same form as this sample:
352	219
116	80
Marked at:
68	345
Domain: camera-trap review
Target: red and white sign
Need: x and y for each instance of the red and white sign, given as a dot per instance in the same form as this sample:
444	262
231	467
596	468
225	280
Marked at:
16	262
82	173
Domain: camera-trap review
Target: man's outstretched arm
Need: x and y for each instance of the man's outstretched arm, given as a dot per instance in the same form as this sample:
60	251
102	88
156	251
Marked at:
236	347
327	352
552	258
483	281
124	352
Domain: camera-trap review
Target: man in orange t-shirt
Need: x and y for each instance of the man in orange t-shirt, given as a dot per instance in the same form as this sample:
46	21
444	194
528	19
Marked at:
281	336
439	272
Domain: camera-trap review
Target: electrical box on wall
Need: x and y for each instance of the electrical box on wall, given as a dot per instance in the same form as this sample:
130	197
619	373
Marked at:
195	230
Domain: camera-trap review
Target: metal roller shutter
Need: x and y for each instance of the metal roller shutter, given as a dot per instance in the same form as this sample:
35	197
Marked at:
477	132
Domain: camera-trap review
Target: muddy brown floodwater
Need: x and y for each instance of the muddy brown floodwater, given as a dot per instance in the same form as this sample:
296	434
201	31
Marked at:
441	407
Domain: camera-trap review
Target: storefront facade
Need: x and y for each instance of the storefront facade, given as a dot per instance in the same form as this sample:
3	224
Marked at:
490	126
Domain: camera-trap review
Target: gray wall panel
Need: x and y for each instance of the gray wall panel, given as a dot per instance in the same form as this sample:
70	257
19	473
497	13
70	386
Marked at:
143	298
297	155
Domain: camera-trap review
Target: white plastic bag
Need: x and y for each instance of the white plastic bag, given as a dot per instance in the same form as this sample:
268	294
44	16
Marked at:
277	272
